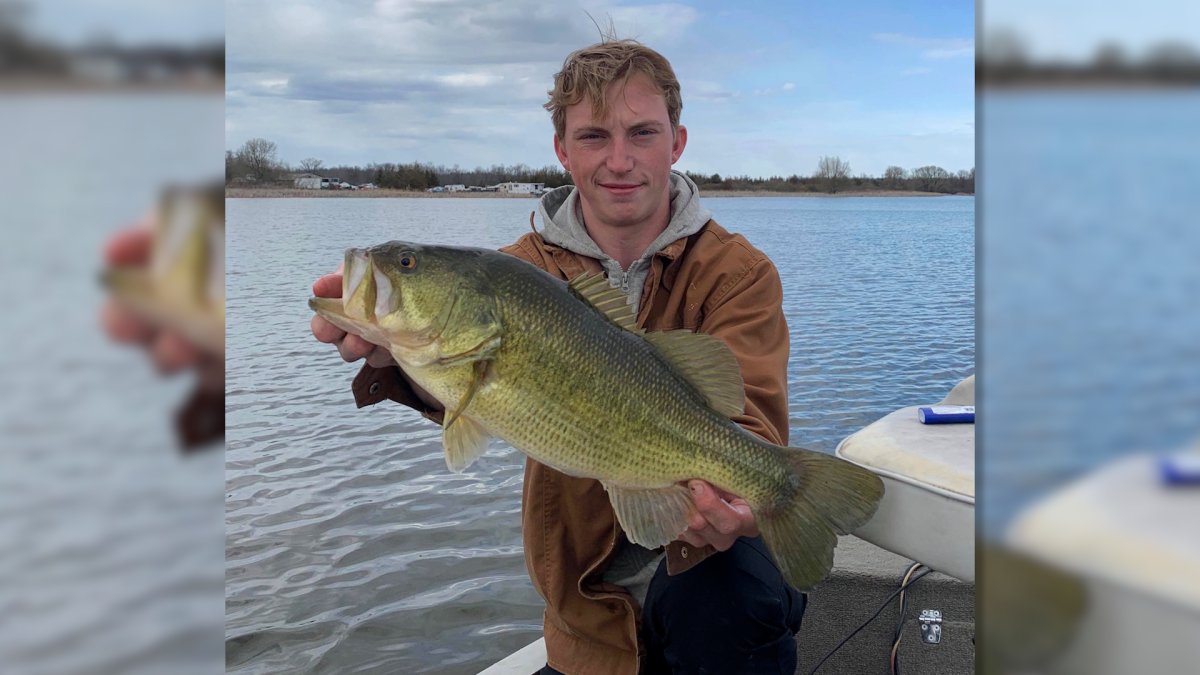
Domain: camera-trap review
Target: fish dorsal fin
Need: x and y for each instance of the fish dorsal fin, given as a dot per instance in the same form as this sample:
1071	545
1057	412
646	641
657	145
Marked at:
465	441
706	363
593	288
653	517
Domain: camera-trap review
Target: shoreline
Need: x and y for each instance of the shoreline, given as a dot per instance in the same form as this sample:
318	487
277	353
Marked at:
290	193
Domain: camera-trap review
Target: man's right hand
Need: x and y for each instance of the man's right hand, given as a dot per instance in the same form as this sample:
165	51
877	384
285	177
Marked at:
352	347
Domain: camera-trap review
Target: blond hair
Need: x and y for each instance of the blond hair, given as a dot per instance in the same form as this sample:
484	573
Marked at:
589	71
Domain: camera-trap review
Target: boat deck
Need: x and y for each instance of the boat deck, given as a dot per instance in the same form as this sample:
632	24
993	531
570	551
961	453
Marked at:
863	576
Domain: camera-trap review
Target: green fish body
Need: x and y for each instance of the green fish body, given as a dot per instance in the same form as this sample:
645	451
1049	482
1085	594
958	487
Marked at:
562	373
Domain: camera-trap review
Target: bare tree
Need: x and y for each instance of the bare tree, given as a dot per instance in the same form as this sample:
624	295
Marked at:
893	176
310	165
257	155
833	171
931	178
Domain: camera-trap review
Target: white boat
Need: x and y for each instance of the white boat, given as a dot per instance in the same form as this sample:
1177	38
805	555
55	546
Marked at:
1135	543
928	470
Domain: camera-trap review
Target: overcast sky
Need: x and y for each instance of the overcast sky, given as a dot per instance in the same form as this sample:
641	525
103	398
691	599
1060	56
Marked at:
768	88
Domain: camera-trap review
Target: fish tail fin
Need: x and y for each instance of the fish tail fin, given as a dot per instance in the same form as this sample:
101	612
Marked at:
830	497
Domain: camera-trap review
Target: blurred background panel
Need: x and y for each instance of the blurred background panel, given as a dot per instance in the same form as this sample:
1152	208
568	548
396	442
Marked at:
1089	347
111	538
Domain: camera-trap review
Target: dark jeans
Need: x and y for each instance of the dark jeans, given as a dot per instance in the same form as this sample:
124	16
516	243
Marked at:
732	613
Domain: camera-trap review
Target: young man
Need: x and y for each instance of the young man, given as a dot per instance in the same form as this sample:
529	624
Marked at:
712	601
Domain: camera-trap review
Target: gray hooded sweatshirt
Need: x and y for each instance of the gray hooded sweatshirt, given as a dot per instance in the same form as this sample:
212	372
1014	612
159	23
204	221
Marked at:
562	219
634	566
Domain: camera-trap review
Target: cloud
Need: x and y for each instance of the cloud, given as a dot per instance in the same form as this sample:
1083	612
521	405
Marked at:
931	48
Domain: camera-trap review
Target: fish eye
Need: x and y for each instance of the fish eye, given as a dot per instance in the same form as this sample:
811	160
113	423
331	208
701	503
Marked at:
408	260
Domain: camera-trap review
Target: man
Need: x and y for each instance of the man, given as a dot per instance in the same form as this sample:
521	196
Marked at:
611	606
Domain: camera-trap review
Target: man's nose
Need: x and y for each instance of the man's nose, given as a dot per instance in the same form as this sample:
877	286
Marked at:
619	159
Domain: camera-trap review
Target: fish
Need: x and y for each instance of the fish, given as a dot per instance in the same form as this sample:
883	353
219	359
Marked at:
562	372
183	285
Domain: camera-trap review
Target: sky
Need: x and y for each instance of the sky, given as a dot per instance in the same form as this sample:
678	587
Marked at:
1072	30
73	22
768	88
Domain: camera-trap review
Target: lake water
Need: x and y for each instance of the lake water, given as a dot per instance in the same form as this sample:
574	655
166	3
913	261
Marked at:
1088	286
349	545
109	539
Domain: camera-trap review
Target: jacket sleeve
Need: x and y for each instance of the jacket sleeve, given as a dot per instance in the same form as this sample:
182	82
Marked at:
748	317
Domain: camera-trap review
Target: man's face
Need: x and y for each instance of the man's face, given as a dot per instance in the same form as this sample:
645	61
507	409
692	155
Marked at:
622	164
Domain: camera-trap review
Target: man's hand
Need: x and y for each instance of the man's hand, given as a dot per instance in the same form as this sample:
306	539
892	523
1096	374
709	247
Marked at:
352	347
169	350
720	518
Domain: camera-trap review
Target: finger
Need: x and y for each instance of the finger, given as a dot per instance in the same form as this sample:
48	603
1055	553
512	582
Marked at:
130	246
325	331
719	514
380	358
690	537
353	348
123	325
328	286
172	352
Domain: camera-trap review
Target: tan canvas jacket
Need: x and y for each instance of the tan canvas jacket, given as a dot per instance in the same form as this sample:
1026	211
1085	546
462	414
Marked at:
712	282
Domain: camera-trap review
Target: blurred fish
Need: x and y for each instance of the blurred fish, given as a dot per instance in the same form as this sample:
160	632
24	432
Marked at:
1030	610
563	373
183	286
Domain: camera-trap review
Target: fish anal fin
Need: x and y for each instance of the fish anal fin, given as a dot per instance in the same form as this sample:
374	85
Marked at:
651	517
594	289
706	363
465	441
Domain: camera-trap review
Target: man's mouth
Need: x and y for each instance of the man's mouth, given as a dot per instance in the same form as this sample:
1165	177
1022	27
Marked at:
619	189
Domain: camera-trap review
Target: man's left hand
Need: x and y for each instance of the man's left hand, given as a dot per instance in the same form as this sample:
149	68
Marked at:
720	517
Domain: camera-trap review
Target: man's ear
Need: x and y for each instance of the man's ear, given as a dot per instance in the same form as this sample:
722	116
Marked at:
562	154
679	144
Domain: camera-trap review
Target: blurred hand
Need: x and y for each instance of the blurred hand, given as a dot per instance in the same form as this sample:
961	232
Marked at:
169	350
720	517
352	347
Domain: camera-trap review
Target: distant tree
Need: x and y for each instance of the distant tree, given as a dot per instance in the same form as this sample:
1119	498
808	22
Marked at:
310	165
965	181
231	166
832	172
893	177
257	156
931	178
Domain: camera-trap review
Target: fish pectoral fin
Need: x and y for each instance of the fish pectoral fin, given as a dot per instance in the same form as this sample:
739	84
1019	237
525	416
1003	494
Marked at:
651	517
479	375
707	364
593	288
465	440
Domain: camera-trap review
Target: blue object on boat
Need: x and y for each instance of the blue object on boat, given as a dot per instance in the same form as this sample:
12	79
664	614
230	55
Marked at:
946	414
1180	469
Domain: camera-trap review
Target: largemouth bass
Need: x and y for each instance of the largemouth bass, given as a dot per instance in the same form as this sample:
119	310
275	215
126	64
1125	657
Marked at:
562	372
183	285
